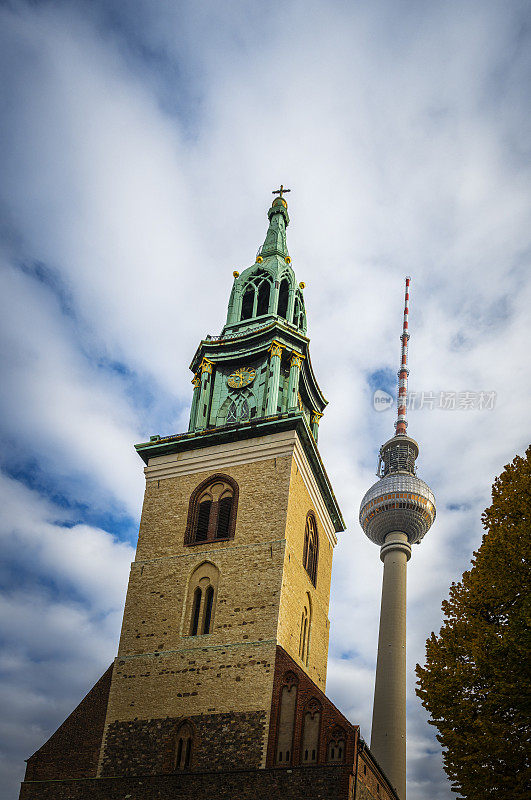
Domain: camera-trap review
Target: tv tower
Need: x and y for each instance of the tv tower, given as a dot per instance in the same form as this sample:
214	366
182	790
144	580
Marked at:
396	512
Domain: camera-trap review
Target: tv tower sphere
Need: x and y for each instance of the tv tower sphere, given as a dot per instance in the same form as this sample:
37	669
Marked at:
399	501
397	511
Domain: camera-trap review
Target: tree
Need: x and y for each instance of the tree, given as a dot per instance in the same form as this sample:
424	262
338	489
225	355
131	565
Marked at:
476	684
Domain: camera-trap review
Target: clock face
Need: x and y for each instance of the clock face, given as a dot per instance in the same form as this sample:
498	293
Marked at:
243	376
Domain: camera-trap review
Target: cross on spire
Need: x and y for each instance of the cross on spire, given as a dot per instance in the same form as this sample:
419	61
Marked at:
281	191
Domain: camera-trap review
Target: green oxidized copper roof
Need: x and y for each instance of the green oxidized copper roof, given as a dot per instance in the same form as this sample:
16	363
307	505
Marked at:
274	263
275	241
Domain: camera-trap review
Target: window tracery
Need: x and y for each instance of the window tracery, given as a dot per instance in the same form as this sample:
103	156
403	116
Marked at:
212	510
256	297
336	745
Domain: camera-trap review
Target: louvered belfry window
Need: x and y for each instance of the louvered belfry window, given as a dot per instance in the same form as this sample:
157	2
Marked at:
223	523
311	548
212	511
203	518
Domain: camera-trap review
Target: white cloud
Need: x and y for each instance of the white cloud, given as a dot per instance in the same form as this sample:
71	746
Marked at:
63	408
137	165
60	615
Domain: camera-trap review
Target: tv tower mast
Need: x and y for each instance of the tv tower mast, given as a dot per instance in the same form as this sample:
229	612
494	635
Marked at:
397	511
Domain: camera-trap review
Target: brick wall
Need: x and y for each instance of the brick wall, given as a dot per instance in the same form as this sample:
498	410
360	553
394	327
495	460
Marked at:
330	715
371	784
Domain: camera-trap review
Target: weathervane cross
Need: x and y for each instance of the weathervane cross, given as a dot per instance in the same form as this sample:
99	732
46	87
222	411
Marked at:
281	191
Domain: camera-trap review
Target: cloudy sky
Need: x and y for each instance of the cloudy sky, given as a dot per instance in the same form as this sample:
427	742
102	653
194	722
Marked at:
140	144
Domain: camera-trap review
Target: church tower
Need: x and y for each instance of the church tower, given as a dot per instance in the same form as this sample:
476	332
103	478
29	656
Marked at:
235	546
218	687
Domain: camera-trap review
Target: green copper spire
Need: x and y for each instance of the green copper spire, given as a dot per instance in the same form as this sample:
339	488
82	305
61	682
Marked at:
259	367
268	288
275	241
256	378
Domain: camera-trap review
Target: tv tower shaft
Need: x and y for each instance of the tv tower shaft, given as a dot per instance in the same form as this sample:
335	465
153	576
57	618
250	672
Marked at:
397	511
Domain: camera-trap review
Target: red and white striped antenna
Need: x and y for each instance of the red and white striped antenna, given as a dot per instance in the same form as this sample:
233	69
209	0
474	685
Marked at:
401	422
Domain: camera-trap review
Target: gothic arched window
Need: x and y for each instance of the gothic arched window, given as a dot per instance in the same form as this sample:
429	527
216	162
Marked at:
263	298
212	510
299	317
238	407
286	719
310	734
247	303
336	745
283	297
255	300
209	602
306	624
183	746
196	608
310	556
201	599
296	310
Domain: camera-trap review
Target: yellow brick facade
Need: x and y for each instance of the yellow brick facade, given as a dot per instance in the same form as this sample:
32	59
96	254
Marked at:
161	670
296	584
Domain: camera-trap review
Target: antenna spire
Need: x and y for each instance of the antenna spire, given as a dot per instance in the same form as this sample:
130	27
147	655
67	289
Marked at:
401	422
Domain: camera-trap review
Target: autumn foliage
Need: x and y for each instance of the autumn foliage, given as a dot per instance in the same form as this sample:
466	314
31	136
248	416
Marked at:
476	684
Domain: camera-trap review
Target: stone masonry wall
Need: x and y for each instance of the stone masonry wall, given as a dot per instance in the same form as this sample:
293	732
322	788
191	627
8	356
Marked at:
161	670
313	783
264	487
220	741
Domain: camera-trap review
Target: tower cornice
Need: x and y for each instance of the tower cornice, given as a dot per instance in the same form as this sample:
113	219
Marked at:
161	446
257	341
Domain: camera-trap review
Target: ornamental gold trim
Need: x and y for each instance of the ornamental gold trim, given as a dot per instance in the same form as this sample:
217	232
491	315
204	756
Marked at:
296	360
276	349
315	417
206	366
